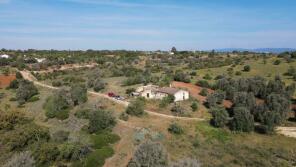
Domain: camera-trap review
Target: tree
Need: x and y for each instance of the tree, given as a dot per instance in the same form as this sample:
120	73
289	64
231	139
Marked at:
136	108
243	120
25	91
99	85
58	105
175	128
149	154
100	120
203	92
167	100
279	104
177	110
247	68
194	106
220	117
244	99
215	98
182	77
277	62
78	94
174	50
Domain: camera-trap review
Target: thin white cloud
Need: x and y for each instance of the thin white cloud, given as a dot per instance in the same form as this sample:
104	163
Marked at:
122	3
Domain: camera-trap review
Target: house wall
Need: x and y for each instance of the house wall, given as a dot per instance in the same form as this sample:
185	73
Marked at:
181	95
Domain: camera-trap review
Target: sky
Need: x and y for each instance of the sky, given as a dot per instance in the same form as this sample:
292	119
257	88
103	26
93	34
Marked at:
147	24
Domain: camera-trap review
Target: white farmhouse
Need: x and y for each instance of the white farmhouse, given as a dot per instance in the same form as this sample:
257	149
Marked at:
4	56
154	92
40	60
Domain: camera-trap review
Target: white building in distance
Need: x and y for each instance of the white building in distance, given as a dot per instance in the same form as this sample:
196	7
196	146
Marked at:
155	92
4	56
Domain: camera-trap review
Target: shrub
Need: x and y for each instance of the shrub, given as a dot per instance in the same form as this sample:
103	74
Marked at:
83	113
129	91
203	83
243	120
14	84
149	154
97	158
57	106
182	77
220	116
78	94
207	77
174	128
277	62
136	108
124	116
60	136
46	153
100	120
99	85
238	73
177	110
8	120
194	106
104	139
22	159
56	83
247	68
203	92
25	91
166	101
33	99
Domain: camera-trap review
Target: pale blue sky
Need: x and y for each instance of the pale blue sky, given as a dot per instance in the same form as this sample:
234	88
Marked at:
147	24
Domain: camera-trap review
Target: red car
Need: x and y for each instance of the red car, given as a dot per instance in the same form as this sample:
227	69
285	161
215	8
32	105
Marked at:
110	94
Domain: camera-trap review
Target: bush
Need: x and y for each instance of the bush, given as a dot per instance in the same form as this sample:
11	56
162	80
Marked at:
78	94
207	77
83	113
22	159
247	68
33	99
149	154
129	91
166	101
136	108
100	120
57	106
124	116
277	62
97	158
14	84
243	120
220	117
238	73
56	83
99	85
177	110
174	128
203	92
25	91
104	139
182	77
60	136
194	106
46	153
203	83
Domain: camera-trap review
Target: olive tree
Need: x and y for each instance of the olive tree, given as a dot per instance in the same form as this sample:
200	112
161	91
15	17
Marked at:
220	116
243	120
149	154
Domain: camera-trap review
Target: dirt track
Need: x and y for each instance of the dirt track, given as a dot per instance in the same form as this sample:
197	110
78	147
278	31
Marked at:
27	75
287	131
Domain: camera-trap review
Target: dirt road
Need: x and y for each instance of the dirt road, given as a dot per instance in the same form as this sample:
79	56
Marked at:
27	75
287	131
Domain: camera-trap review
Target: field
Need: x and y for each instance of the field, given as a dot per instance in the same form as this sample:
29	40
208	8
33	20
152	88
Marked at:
199	139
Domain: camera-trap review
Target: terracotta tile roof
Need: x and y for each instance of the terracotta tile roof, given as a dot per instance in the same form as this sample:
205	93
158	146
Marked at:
167	90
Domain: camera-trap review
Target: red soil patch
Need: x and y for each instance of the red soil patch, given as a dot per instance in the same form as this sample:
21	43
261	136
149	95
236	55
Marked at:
5	80
194	91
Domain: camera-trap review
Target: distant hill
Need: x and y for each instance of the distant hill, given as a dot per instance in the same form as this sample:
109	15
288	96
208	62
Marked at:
261	50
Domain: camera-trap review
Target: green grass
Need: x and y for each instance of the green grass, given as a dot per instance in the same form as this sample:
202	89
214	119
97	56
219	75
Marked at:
258	68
